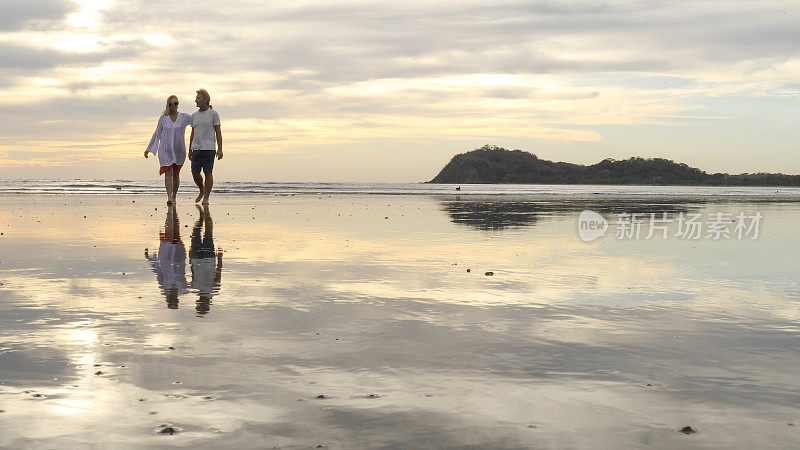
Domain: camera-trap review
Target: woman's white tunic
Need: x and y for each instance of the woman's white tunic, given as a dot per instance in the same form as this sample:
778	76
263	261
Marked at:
169	140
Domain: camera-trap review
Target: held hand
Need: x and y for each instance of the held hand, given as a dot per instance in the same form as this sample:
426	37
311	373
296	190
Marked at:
219	154
145	153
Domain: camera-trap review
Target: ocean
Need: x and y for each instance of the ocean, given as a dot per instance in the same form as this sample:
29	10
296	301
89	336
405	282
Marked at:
134	187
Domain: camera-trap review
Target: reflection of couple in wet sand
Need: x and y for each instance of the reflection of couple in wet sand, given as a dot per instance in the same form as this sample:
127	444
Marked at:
168	142
169	263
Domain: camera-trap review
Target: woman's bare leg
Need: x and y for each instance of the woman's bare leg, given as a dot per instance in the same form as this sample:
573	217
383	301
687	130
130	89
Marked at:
170	185
176	183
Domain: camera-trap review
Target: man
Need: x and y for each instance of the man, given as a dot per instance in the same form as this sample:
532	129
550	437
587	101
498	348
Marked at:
205	132
205	261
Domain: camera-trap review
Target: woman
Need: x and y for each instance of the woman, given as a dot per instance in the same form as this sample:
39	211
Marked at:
170	144
169	263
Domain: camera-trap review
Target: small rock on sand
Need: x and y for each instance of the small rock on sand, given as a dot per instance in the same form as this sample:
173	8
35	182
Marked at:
168	430
687	430
489	274
99	372
321	396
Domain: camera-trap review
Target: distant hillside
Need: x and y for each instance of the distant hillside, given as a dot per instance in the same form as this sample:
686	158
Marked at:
491	164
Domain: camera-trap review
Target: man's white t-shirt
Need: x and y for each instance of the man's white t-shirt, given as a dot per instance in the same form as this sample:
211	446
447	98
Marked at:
203	123
204	272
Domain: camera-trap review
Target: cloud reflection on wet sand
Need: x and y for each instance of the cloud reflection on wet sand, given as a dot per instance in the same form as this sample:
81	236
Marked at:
352	296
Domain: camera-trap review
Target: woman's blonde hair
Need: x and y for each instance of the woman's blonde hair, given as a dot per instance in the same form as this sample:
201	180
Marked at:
166	110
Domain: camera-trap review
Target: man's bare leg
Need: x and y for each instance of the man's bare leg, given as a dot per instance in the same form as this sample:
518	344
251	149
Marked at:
198	180
170	185
209	184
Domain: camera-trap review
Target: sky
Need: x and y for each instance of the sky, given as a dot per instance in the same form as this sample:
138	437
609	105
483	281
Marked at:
390	91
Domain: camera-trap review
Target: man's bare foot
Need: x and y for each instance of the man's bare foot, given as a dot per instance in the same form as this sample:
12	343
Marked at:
199	197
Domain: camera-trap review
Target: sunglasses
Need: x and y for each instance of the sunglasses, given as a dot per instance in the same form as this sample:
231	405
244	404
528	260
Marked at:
173	104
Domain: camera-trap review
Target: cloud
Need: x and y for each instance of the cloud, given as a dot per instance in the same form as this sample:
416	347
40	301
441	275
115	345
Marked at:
33	14
353	41
33	58
357	41
307	73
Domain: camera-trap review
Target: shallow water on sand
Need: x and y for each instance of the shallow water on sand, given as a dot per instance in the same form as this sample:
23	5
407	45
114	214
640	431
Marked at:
120	317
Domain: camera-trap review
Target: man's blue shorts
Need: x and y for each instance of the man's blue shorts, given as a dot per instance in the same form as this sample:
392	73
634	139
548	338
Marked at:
203	160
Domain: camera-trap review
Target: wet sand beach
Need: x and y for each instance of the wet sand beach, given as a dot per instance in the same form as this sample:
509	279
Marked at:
405	321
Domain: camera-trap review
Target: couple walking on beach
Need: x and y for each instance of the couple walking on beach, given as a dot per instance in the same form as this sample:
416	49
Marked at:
168	142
